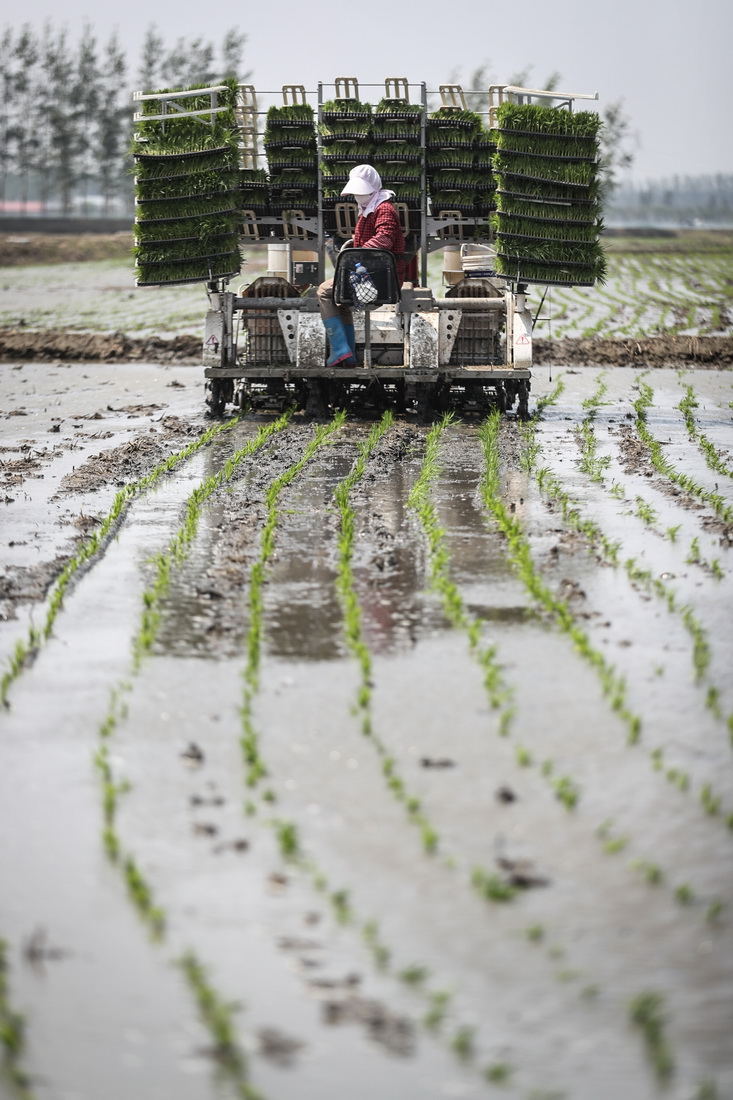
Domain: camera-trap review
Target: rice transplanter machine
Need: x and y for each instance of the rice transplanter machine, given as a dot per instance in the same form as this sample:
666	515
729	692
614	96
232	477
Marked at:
510	197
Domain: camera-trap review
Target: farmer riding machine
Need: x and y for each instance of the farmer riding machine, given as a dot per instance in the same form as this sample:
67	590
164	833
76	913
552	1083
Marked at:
509	195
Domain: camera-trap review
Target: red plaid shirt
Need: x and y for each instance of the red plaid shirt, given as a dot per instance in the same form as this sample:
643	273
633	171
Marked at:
382	229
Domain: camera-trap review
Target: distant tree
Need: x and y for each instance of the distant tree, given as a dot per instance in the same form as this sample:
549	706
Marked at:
24	135
7	88
616	138
112	129
477	86
86	103
148	74
232	56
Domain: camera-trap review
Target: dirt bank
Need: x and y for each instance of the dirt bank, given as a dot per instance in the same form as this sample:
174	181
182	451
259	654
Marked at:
710	352
115	347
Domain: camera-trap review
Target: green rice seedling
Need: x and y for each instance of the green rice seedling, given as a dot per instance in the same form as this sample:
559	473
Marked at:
693	554
567	791
617	490
12	1035
646	1012
217	1016
712	701
714	911
142	897
651	871
491	886
684	894
535	933
463	1042
414	975
287	838
645	512
716	570
672	532
616	844
341	906
568	975
590	464
709	801
524	756
439	1003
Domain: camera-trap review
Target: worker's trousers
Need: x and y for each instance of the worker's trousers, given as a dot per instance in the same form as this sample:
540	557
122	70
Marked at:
329	308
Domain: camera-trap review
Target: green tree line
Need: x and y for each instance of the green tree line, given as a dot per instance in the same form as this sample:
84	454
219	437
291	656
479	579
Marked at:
66	107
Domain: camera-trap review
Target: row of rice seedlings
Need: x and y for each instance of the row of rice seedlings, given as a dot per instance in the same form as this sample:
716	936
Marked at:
596	468
249	741
535	167
355	636
566	790
91	548
599	541
215	1012
716	501
138	888
529	229
695	557
646	1012
613	685
416	976
217	1016
687	407
549	120
168	189
12	1035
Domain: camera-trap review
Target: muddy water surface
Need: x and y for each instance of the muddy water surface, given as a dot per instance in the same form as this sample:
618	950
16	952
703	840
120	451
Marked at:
367	966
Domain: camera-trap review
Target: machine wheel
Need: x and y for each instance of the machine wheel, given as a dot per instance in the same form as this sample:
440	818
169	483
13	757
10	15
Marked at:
501	402
218	391
523	404
315	404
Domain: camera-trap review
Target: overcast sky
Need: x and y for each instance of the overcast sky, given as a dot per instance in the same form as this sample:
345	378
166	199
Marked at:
669	61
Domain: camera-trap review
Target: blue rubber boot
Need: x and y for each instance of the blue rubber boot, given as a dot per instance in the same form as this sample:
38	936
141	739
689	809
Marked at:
341	354
350	337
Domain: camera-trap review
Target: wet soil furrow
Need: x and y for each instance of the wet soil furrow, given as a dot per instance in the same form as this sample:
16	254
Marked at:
91	550
645	401
644	581
712	454
641	578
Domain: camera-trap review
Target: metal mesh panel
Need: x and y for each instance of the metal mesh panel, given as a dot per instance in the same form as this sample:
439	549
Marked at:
477	342
261	342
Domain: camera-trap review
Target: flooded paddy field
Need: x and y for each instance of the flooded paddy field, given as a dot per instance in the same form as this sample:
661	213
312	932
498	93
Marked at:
358	758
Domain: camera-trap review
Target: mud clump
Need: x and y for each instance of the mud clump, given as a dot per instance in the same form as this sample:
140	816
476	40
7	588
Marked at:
130	460
27	584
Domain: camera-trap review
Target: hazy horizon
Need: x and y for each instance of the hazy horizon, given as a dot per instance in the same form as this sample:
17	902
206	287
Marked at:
668	64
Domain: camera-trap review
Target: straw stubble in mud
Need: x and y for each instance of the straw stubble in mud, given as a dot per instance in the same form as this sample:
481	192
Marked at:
571	873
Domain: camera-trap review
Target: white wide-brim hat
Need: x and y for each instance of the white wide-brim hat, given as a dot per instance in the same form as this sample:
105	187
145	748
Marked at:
363	180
